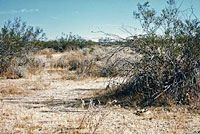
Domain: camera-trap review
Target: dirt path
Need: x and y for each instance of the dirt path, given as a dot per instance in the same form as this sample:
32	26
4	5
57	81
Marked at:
49	90
45	98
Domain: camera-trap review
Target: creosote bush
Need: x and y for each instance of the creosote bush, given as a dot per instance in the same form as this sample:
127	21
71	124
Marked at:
67	42
169	67
16	39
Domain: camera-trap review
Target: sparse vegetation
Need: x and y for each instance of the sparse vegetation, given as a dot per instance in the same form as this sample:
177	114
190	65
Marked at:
146	83
67	42
169	67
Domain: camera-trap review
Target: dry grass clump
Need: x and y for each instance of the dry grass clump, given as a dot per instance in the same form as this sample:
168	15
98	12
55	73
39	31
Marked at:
61	62
45	51
38	62
93	61
80	61
83	65
12	90
90	122
17	68
22	67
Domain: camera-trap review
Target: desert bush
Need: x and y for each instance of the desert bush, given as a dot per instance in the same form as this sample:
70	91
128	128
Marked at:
67	42
169	66
74	64
83	66
108	70
90	67
21	72
37	62
62	62
16	39
80	64
91	63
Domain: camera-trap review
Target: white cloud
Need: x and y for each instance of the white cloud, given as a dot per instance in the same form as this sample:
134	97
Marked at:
19	11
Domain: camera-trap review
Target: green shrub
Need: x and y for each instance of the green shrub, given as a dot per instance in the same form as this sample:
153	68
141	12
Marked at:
67	42
16	39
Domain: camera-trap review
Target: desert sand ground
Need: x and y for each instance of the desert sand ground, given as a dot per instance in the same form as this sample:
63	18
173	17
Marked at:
45	102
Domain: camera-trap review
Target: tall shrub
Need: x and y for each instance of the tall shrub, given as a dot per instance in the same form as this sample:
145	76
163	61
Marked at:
16	39
169	67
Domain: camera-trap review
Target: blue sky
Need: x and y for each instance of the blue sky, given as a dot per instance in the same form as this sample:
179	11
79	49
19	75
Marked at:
81	16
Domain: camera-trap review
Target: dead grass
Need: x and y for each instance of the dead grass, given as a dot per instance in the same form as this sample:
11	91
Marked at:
46	102
46	51
12	90
17	119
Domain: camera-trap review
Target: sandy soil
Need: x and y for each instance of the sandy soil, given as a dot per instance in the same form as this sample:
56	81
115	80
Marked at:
46	103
